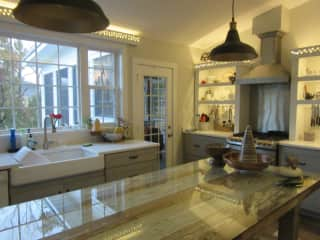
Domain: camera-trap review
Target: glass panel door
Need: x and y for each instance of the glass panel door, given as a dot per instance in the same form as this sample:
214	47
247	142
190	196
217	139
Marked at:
155	113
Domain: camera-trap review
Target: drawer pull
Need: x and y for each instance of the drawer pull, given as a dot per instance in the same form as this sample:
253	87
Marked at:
133	157
196	146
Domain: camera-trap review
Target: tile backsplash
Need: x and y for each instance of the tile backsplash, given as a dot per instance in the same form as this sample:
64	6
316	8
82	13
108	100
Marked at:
62	137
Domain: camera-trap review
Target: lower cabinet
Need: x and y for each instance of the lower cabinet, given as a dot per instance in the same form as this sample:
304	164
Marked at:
117	166
195	146
310	206
4	188
131	163
33	191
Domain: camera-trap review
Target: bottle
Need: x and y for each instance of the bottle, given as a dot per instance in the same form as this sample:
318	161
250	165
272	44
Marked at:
96	126
31	143
13	141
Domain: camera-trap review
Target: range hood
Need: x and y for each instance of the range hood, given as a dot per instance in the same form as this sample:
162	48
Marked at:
269	27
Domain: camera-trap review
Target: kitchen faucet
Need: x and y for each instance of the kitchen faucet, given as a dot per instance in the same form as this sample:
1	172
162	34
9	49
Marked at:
45	135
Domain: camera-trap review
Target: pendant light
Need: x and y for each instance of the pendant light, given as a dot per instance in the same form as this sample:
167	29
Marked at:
233	49
70	16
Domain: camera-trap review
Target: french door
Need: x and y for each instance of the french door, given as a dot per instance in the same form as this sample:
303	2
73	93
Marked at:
153	109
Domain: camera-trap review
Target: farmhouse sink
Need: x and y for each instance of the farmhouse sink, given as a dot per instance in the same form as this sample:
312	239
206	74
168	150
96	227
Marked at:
44	165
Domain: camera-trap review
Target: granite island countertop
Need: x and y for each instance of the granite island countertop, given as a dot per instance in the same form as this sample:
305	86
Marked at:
191	201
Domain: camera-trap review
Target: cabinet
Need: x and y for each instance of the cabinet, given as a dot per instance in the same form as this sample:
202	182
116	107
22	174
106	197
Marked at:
131	163
47	188
310	205
194	146
4	188
305	94
217	95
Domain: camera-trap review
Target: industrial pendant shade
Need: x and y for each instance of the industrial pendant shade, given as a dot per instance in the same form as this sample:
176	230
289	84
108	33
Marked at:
233	49
70	16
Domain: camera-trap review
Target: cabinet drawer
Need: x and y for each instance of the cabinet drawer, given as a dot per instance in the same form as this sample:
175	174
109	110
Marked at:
4	192
130	157
113	174
196	145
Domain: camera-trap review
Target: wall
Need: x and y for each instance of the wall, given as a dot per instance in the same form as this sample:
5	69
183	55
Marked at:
184	57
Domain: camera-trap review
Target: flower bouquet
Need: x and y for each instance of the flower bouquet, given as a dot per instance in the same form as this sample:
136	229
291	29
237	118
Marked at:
54	119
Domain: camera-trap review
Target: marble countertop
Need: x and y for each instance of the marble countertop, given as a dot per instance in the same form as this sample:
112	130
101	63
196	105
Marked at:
210	133
191	201
7	160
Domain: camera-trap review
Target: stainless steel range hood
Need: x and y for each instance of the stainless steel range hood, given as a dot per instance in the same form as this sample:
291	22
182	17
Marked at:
270	69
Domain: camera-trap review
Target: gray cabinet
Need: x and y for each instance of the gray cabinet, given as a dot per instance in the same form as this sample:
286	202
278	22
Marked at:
4	188
47	188
131	163
195	145
312	159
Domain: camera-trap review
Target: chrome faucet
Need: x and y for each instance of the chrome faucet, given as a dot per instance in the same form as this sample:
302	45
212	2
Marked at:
45	144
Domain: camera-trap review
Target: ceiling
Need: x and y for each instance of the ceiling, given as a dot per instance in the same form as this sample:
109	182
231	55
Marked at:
191	22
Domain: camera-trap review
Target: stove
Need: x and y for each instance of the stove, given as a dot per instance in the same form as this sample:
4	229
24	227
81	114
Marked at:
266	143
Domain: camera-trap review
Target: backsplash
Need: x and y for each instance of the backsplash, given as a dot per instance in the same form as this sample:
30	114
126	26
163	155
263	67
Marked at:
66	137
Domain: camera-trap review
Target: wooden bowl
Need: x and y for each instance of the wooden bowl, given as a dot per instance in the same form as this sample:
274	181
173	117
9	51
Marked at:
233	160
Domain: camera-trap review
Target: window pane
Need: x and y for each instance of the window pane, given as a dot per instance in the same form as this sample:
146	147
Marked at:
5	48
101	78
24	73
99	59
5	70
47	53
6	119
5	96
68	55
25	96
68	76
26	118
48	74
23	50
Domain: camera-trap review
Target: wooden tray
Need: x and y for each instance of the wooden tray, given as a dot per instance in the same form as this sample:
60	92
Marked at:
232	159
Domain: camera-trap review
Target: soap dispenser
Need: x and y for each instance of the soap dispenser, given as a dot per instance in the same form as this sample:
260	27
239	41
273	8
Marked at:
31	143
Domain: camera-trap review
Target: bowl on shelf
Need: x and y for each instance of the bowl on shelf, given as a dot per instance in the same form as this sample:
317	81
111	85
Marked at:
216	151
233	160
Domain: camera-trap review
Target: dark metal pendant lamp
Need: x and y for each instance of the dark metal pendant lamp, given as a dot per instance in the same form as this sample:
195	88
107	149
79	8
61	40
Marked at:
233	49
70	16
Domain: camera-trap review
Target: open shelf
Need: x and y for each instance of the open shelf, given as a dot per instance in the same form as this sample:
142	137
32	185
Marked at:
309	78
306	102
215	84
229	102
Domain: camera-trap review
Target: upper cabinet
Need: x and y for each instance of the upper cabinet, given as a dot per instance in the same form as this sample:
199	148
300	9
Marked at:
216	96
305	94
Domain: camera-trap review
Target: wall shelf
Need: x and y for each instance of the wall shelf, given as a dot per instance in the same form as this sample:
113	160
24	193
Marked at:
308	102
309	78
222	102
215	84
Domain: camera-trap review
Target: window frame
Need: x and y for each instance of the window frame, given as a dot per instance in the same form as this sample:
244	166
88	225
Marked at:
83	45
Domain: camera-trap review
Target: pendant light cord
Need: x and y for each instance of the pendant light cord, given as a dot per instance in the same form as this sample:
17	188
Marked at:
233	10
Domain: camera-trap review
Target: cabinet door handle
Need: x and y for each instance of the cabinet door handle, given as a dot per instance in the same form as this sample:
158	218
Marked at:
196	146
133	157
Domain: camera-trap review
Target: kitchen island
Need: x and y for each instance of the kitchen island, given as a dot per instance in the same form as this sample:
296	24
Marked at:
191	201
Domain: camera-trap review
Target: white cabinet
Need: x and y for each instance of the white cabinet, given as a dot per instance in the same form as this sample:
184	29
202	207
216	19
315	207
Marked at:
4	189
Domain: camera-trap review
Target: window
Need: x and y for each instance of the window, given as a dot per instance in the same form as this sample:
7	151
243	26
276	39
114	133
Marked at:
36	79
102	86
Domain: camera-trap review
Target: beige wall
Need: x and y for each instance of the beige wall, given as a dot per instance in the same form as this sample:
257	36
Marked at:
184	57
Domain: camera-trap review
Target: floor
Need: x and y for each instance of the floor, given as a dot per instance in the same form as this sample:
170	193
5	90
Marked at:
309	230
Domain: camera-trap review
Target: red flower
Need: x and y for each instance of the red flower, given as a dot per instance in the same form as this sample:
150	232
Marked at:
56	116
